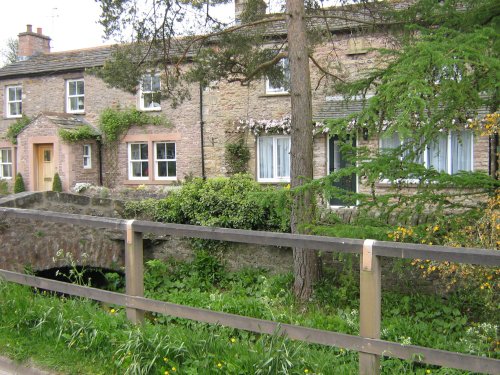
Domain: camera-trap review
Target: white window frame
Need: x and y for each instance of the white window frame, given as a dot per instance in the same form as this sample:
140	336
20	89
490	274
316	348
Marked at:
275	178
449	155
87	156
8	162
70	96
167	160
271	90
151	92
18	91
132	161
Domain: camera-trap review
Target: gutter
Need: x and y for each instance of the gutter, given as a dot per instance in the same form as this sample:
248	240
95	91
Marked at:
202	123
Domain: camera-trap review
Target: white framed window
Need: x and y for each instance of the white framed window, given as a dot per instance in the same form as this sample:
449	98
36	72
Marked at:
14	101
5	163
75	95
150	93
165	161
87	156
452	152
273	88
273	158
138	161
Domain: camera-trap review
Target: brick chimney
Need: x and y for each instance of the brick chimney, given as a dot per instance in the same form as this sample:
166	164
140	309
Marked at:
31	44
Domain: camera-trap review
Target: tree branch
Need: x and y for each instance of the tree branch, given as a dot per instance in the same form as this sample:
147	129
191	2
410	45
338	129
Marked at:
323	70
244	81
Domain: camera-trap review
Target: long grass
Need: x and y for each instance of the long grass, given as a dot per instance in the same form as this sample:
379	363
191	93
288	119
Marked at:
77	336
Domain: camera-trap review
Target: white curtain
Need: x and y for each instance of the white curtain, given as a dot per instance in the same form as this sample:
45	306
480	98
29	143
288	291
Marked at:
265	157
461	151
283	157
438	154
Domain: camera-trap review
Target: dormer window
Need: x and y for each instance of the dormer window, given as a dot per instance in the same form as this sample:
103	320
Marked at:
274	87
75	96
150	93
14	102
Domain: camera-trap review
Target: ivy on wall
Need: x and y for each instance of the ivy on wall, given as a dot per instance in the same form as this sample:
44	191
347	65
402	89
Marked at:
81	133
114	123
16	128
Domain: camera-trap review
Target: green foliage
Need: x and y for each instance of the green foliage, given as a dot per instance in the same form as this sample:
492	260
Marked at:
81	133
56	183
439	77
98	339
236	202
4	187
114	123
19	184
237	156
17	127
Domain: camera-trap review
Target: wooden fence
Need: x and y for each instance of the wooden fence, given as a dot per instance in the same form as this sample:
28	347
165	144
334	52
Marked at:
368	344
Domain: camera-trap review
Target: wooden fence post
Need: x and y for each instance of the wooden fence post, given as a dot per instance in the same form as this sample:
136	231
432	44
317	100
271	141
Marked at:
369	306
134	270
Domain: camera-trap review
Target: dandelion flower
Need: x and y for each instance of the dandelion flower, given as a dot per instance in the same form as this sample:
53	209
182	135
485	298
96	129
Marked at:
174	369
165	359
219	365
233	340
306	371
112	311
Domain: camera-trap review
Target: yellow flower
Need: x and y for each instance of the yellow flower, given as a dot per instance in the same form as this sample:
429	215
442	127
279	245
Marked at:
165	359
174	369
233	340
219	365
287	187
436	228
306	371
112	311
167	373
427	371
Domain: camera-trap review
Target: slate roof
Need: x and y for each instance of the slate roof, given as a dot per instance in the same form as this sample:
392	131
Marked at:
46	63
331	109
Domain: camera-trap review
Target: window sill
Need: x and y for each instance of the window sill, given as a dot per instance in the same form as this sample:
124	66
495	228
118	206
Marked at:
13	117
149	182
158	109
75	113
273	182
274	94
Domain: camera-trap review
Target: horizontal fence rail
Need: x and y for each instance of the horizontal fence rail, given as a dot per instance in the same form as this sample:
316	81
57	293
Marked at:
327	244
370	347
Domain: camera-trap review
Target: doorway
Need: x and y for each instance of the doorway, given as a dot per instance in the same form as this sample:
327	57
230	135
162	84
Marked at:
45	167
336	161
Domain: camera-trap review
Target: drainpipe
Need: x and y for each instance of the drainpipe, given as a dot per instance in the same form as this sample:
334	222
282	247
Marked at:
99	156
202	123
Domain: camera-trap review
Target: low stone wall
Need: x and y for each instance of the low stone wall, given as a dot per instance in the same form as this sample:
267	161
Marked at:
34	244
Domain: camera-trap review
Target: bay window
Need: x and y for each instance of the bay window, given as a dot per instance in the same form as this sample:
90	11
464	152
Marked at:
451	152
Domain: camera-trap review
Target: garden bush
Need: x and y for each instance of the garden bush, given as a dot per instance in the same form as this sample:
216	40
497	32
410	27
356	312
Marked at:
236	202
19	184
56	183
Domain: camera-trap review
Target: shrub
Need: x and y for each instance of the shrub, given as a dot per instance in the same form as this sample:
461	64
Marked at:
236	202
16	128
4	187
19	184
57	184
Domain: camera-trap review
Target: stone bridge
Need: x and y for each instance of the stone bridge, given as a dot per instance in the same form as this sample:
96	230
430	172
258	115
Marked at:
34	244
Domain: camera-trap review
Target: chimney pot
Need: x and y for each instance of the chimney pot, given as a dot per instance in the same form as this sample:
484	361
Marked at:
31	43
29	28
39	30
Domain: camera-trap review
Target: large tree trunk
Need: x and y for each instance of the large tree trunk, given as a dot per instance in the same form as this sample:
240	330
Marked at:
306	265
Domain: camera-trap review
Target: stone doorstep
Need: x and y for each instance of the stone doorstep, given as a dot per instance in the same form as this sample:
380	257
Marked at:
10	367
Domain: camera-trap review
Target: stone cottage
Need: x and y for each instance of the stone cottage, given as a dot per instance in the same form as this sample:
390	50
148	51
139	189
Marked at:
57	92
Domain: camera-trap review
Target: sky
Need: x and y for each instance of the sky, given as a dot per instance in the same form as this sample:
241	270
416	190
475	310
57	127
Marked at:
71	24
